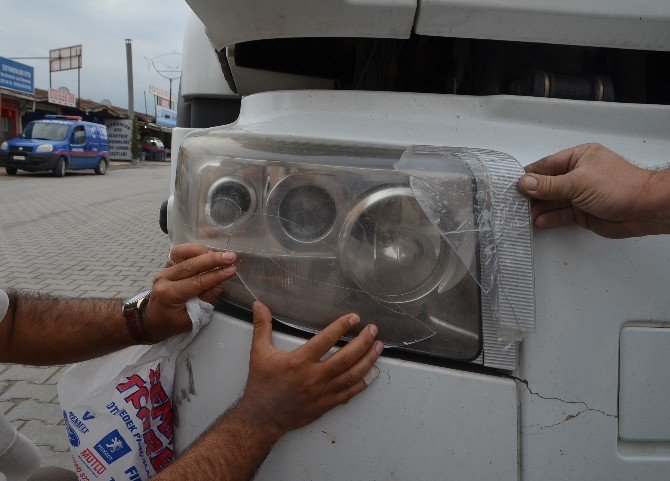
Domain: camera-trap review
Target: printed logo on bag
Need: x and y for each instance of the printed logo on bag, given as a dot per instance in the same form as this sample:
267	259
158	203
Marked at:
72	436
75	422
112	447
152	406
92	461
88	416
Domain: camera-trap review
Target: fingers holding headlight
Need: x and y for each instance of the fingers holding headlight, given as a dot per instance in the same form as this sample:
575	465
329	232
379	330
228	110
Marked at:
361	349
362	370
324	341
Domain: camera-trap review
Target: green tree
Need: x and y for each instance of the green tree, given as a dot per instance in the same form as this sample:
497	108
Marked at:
135	142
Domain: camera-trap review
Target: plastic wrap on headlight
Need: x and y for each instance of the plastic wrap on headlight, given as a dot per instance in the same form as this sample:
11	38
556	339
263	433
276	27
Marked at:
415	239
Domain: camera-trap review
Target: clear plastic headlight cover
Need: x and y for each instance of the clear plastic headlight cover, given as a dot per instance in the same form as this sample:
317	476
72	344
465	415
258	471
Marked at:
432	244
44	148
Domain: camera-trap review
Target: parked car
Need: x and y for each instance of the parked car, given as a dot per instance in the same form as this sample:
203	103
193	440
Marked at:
154	149
57	143
340	100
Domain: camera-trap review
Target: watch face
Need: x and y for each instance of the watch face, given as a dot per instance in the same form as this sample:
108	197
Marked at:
132	301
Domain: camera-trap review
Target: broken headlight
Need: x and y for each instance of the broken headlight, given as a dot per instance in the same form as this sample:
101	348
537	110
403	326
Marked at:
431	244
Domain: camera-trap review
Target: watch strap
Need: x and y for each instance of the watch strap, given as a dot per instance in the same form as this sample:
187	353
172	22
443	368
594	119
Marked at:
132	313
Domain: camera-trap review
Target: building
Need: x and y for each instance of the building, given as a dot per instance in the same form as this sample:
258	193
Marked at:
19	109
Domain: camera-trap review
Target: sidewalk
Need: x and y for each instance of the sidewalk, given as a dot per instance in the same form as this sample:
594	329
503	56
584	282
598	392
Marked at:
79	236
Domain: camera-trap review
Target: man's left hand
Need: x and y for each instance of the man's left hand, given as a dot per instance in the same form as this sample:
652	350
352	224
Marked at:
197	272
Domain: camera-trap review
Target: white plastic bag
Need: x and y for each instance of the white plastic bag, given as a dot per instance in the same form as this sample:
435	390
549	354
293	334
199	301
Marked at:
118	408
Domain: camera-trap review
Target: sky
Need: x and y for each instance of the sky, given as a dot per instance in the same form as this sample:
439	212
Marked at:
30	28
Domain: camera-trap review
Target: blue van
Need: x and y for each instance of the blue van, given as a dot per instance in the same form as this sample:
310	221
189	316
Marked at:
55	144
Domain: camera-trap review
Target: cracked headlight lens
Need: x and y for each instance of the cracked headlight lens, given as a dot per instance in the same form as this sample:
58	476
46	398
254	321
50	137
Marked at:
326	229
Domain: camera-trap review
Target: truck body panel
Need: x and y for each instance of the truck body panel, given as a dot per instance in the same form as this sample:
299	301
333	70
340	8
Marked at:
587	289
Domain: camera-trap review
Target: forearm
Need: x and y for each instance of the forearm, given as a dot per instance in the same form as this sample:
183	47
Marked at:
43	330
657	202
232	450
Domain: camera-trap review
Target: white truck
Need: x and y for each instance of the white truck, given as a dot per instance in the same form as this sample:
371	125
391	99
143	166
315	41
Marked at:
312	138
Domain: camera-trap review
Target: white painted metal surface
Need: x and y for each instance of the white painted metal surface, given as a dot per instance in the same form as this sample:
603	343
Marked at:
644	384
201	72
234	21
415	422
603	23
644	24
586	289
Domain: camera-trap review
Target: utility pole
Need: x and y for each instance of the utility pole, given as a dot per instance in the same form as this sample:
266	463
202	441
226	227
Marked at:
131	93
170	94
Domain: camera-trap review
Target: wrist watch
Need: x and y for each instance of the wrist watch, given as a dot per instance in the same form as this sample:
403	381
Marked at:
132	313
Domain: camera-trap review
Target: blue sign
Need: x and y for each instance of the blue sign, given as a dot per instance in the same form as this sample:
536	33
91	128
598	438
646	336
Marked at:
112	447
166	117
17	76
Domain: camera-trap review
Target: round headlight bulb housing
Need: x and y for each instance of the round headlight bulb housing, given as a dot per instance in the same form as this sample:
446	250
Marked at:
307	213
303	210
390	248
230	201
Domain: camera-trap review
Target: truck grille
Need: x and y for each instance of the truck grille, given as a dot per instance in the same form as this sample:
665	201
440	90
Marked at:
23	149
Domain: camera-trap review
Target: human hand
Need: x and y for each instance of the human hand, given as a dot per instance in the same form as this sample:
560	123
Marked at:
289	390
197	272
593	187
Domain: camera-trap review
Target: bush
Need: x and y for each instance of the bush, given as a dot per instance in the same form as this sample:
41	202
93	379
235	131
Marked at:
135	142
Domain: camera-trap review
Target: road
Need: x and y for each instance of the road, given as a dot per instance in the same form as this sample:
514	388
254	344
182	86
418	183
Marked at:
80	236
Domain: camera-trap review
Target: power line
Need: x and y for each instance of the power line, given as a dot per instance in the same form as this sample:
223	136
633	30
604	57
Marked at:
169	72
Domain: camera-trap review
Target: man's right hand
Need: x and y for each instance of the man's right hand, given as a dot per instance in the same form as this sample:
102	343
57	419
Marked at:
288	390
595	188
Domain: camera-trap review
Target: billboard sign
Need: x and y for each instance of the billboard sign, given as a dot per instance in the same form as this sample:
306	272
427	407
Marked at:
120	135
66	58
62	97
17	76
166	117
161	94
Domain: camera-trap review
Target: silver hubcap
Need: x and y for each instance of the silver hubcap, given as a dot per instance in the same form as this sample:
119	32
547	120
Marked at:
103	166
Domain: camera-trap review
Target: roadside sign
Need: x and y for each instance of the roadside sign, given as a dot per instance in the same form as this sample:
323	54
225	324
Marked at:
62	97
17	76
67	58
166	117
162	94
120	135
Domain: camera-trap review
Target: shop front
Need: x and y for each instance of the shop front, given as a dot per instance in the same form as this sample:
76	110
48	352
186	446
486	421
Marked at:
17	89
10	120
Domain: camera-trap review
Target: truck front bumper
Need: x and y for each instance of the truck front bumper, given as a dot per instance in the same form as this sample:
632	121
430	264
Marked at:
31	161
